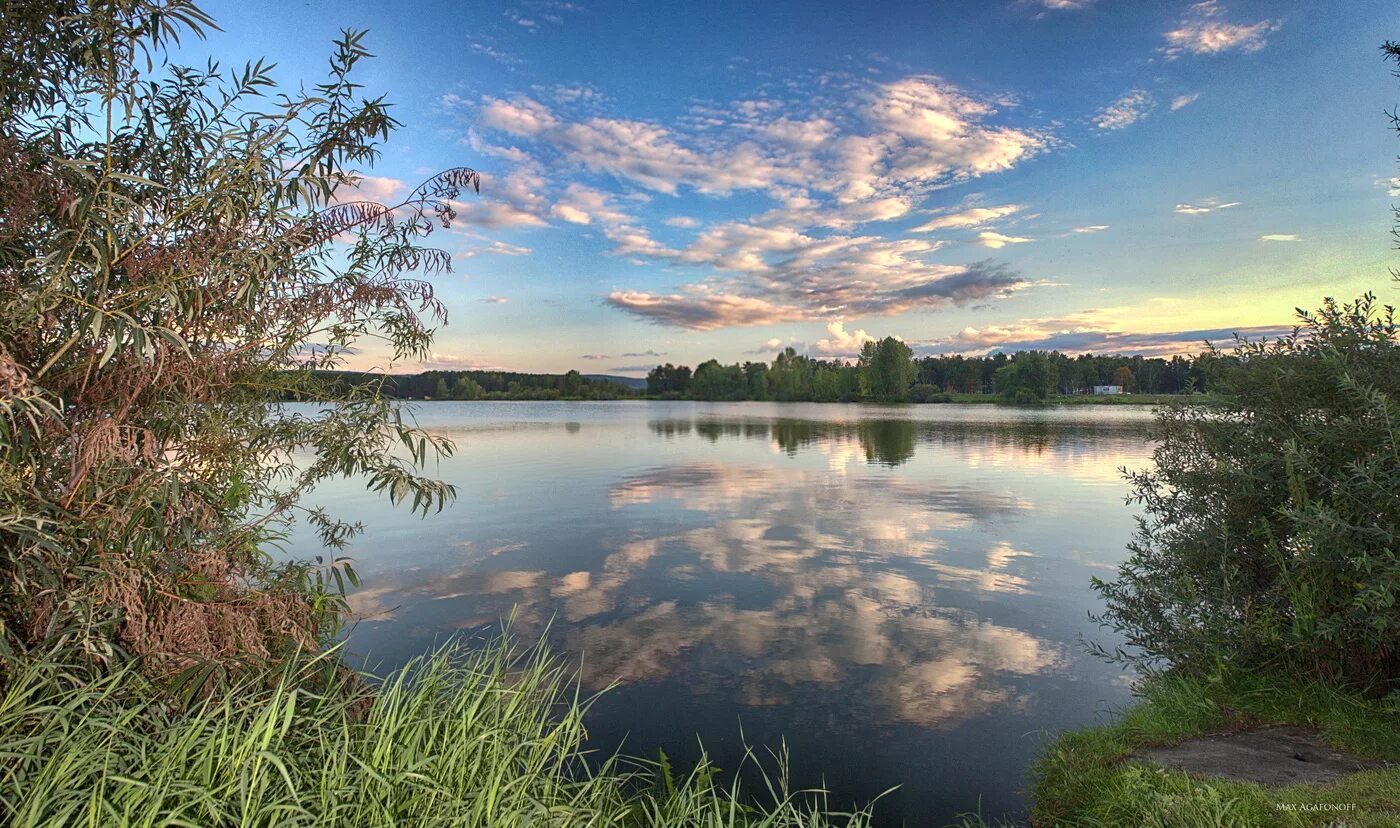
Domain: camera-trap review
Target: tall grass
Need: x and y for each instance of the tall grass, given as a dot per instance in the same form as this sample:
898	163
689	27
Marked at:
491	736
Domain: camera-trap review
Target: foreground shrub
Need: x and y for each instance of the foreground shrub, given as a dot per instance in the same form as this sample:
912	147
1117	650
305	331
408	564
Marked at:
491	737
179	246
1269	539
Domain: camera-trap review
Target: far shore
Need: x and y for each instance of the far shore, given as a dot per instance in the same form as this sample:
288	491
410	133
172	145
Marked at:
951	398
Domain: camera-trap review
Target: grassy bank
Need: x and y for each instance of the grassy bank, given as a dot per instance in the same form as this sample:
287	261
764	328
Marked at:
491	737
1119	399
1075	399
1085	778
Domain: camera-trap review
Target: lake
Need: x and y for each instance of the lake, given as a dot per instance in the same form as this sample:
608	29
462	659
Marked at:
898	592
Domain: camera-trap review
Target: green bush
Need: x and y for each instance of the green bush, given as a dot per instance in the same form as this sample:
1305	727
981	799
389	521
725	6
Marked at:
1269	538
925	393
1025	396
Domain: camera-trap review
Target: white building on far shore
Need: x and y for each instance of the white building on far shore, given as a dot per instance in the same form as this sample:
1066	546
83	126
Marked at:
1108	389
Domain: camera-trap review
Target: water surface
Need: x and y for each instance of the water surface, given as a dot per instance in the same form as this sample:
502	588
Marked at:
897	592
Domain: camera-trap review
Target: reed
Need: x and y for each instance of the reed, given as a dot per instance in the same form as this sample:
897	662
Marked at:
484	736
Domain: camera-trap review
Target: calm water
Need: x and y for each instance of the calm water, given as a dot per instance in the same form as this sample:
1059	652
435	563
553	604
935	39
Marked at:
898	592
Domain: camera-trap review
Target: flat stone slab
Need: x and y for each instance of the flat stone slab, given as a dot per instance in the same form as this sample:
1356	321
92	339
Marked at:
1281	755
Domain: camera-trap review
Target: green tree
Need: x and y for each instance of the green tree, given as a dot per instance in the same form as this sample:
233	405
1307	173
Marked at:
1272	513
790	377
826	383
669	380
887	370
466	388
756	380
1124	377
963	375
713	381
572	384
1029	378
169	266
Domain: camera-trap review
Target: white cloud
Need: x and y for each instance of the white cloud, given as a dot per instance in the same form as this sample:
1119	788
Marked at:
517	200
652	156
500	248
371	188
1204	32
503	249
802	210
547	11
1280	237
872	155
453	362
1085	333
1091	228
1065	5
1184	100
916	132
702	312
733	246
474	139
496	54
858	277
1208	205
803	134
841	341
974	217
996	241
521	116
1126	111
571	214
569	93
496	214
938	133
581	205
495	300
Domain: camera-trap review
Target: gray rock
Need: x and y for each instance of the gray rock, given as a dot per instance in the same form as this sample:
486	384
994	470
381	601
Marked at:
1281	755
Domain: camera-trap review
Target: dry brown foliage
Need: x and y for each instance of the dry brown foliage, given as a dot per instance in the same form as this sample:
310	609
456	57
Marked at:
160	287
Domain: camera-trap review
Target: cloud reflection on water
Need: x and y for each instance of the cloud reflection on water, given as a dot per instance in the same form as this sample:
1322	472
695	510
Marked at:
764	583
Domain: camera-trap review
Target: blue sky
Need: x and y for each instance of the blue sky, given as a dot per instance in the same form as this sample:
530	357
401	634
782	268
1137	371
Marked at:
672	182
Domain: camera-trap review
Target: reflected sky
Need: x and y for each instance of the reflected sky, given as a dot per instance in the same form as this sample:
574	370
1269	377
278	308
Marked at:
898	592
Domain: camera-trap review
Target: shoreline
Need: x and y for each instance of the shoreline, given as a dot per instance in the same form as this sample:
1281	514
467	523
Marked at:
956	399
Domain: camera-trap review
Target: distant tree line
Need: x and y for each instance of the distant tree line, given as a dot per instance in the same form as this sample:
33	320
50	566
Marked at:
1058	373
888	371
481	385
